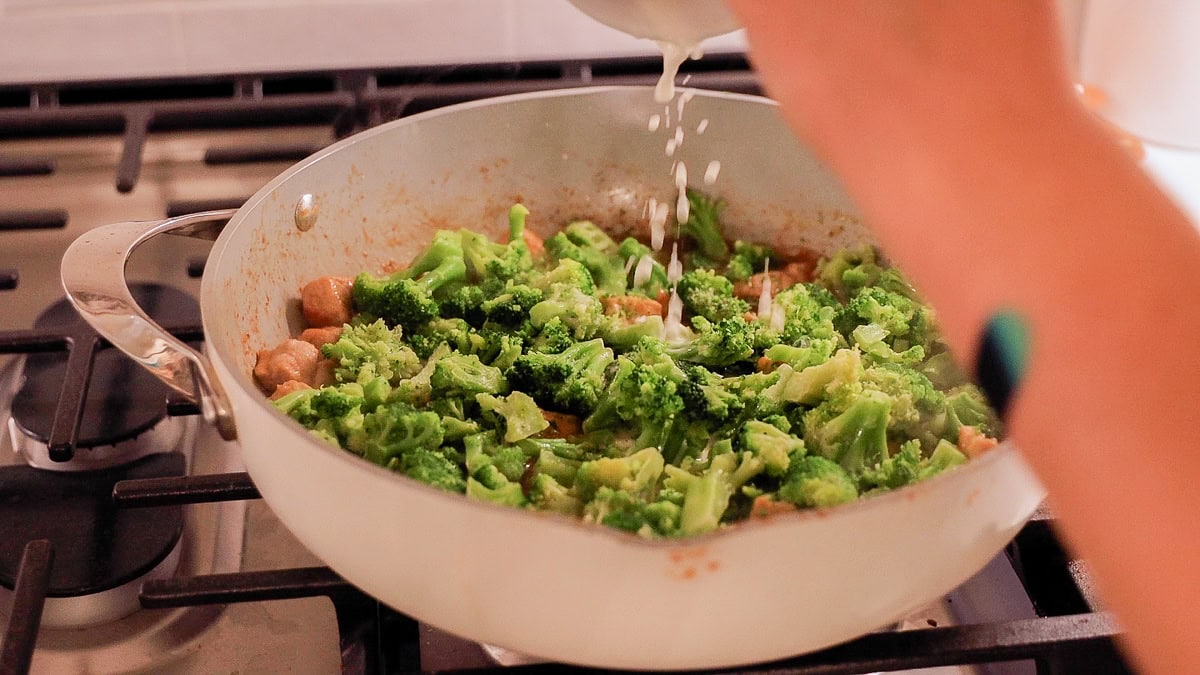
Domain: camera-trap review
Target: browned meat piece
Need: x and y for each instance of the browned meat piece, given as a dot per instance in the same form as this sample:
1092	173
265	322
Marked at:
324	373
765	505
292	360
631	306
751	288
803	265
562	425
764	365
327	301
973	443
319	337
287	388
534	243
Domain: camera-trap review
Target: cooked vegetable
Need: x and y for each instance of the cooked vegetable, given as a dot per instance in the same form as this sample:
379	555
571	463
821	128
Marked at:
548	381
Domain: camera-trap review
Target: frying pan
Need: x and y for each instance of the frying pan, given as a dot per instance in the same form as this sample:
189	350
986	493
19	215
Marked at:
540	583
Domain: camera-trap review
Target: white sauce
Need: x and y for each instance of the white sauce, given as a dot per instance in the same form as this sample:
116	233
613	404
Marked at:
629	265
645	267
673	56
674	268
710	174
672	327
655	120
702	126
658	223
682	208
764	298
671	145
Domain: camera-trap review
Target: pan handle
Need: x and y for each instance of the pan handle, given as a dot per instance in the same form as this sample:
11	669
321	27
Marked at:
93	275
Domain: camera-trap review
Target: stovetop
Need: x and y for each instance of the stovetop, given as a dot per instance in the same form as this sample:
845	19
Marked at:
247	597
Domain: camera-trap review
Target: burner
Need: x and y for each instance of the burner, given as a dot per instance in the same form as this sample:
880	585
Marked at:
124	413
103	554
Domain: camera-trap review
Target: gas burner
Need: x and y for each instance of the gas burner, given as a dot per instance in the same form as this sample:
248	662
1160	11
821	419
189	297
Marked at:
124	413
103	553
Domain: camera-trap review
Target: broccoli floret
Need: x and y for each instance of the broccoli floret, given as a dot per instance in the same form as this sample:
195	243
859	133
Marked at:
580	312
394	429
522	417
943	371
490	260
464	302
624	335
547	494
915	401
770	444
332	413
512	306
489	489
432	468
706	496
896	314
813	481
639	392
585	243
572	380
465	374
704	227
814	383
710	295
570	273
849	270
562	469
812	353
406	299
707	397
552	338
632	251
896	471
636	474
371	350
945	455
717	344
871	339
804	313
417	389
747	260
456	333
965	406
851	430
620	510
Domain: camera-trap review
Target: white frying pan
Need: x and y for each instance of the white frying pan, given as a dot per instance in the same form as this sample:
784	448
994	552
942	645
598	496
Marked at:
539	583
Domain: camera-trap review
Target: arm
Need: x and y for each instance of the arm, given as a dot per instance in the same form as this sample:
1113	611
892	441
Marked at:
954	127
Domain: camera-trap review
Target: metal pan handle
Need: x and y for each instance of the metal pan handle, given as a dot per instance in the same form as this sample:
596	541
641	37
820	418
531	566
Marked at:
93	275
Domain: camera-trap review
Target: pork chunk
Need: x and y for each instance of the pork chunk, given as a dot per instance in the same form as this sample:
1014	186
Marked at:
327	301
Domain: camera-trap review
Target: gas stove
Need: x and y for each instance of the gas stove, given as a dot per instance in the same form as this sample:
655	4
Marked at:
163	558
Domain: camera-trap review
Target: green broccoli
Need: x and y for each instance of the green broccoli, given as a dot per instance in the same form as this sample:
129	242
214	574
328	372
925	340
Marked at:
465	374
371	350
814	383
747	260
489	260
406	299
512	305
394	429
590	246
770	444
623	511
632	251
624	335
710	295
571	381
522	417
804	313
547	494
567	272
430	467
895	471
707	397
553	337
850	429
871	339
717	344
704	227
706	496
813	481
579	311
849	270
645	395
636	474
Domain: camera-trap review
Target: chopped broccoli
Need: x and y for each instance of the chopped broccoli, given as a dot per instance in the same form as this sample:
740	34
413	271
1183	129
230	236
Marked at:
394	429
850	430
717	344
623	511
636	474
707	397
371	350
406	299
572	380
512	305
590	246
553	337
624	335
579	311
632	251
432	468
704	227
747	260
456	374
522	417
849	270
710	295
489	260
770	444
547	494
813	481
